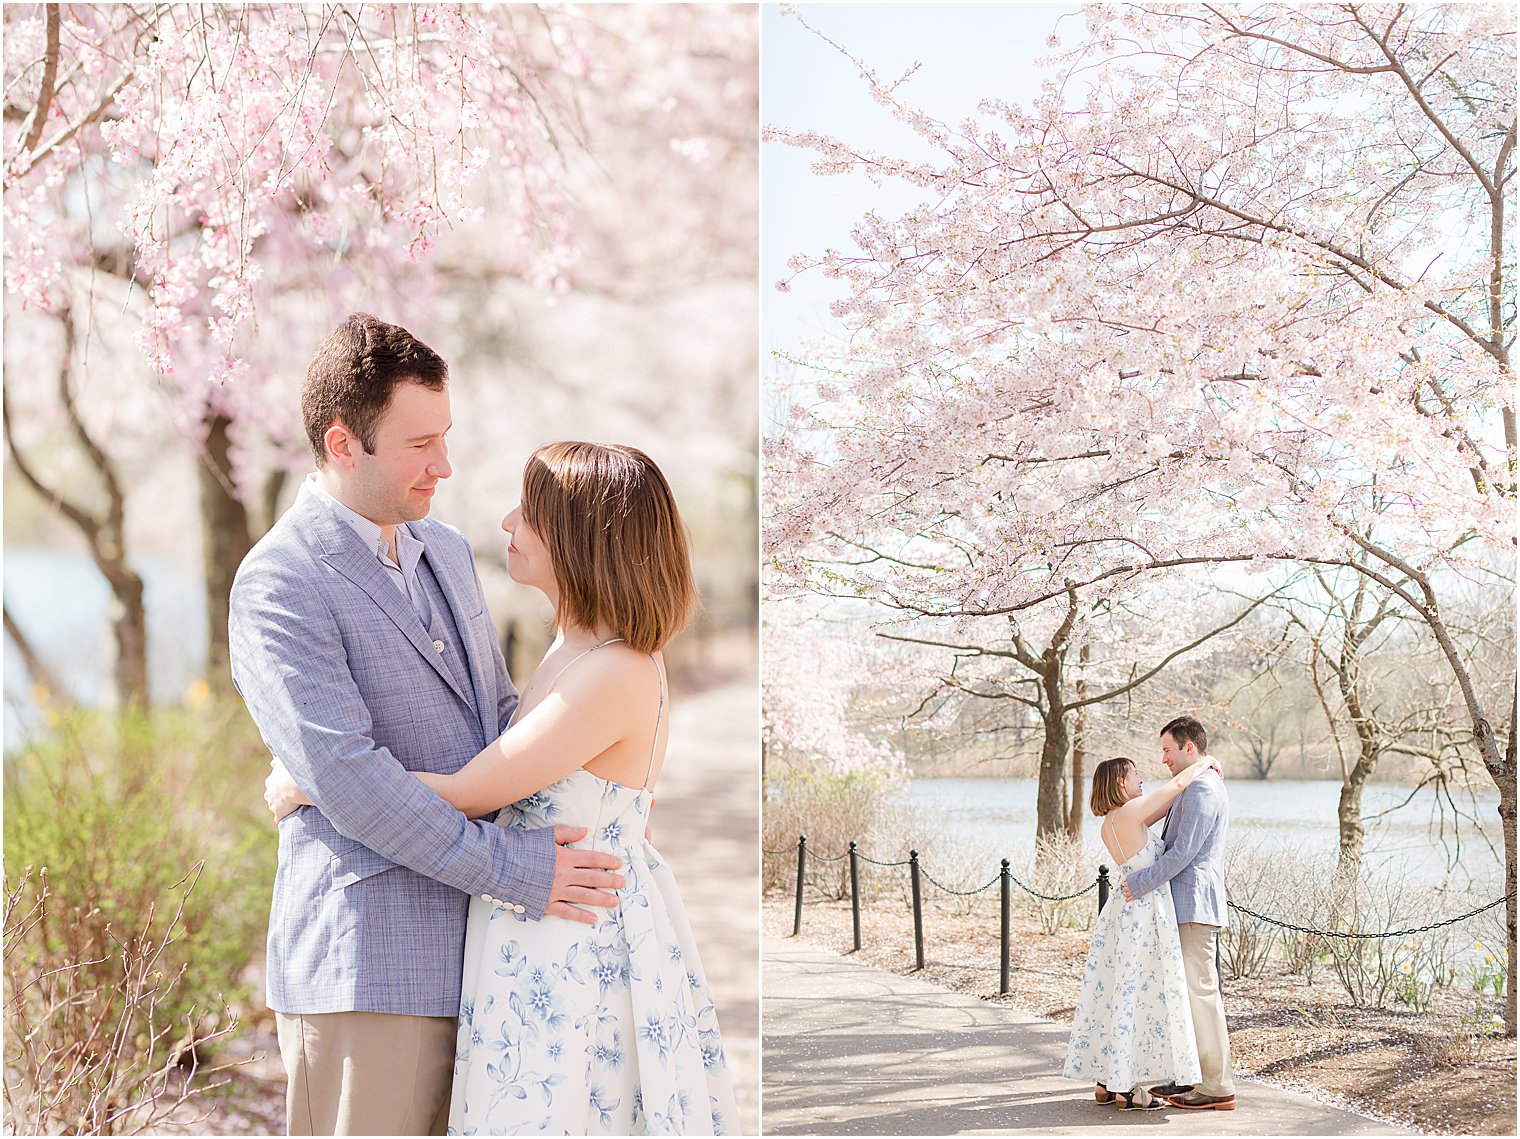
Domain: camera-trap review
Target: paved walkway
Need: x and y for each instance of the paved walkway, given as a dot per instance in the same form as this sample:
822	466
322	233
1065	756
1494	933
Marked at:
851	1050
706	821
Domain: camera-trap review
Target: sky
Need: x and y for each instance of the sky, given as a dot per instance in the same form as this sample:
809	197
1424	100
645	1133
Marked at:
968	52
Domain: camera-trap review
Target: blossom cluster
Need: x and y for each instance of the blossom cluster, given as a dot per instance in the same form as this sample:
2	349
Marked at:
1239	301
201	176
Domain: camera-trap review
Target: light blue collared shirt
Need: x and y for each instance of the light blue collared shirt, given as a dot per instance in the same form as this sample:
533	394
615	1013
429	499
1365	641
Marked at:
409	549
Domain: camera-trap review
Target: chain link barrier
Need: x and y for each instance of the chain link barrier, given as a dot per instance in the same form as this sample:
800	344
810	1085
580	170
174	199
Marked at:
1091	886
1088	889
1005	878
1371	936
812	854
959	893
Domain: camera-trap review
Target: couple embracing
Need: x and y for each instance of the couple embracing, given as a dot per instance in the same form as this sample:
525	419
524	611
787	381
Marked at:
1150	1009
470	930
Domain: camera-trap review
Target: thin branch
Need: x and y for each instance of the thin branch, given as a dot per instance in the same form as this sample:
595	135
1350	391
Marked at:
36	120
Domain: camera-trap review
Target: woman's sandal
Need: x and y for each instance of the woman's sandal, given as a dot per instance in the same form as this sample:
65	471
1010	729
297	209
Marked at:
1127	1101
1103	1095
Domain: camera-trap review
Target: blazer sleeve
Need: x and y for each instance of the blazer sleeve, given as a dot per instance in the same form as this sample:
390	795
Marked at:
290	666
1199	809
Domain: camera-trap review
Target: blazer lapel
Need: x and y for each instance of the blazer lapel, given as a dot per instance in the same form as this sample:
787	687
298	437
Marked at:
460	603
342	549
1172	814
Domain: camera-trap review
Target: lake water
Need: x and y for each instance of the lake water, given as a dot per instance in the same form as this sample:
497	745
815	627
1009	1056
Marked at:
61	602
1294	817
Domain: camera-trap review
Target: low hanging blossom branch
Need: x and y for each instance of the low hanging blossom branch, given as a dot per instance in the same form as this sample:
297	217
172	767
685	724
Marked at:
211	139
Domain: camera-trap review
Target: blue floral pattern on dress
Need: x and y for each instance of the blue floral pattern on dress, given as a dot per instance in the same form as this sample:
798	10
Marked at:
607	1029
1133	1024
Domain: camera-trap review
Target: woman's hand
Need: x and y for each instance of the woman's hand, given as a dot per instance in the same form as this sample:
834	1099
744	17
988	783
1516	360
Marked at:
281	792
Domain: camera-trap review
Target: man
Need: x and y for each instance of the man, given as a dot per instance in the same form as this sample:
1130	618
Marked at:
362	646
1193	863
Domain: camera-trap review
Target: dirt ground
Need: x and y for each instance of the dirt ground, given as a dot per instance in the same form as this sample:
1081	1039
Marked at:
1430	1072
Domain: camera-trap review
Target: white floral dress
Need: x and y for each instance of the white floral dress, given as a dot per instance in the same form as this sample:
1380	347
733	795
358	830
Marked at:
572	1029
1133	1025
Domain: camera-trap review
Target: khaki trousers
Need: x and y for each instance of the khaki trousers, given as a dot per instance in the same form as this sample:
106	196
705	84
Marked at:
1198	945
367	1073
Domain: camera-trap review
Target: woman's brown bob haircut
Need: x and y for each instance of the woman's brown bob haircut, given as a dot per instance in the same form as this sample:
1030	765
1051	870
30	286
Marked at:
620	555
1107	795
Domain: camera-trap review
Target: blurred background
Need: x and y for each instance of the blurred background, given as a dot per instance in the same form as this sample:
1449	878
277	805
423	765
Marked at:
564	205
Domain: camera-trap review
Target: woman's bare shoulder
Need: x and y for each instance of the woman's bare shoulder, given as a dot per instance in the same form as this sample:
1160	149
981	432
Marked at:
1131	812
612	671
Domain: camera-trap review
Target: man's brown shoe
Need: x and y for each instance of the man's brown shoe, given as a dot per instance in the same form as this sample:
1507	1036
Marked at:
1169	1089
1200	1102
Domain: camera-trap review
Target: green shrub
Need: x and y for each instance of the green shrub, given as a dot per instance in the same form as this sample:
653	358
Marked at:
137	877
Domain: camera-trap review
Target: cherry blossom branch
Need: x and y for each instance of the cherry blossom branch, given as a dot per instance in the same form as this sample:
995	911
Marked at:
1398	69
99	460
36	119
1166	660
87	523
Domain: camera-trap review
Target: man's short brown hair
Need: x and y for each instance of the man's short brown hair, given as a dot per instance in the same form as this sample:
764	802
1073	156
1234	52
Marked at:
616	541
1188	729
354	372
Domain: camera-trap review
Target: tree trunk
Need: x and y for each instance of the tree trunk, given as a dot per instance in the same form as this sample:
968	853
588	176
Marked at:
274	487
1050	814
105	532
225	540
1507	820
1349	812
129	623
1501	769
1505	778
1074	814
1348	677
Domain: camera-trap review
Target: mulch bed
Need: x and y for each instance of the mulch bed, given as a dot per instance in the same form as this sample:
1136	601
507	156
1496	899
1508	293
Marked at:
1446	1071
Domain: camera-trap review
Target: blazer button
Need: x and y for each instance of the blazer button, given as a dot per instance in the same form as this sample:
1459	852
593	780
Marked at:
438	646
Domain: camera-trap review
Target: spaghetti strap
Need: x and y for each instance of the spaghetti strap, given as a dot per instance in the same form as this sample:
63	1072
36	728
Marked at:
1120	845
584	652
655	742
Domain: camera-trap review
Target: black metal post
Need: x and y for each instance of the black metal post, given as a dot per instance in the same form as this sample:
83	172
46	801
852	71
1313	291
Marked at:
1007	880
801	865
855	890
1102	887
918	908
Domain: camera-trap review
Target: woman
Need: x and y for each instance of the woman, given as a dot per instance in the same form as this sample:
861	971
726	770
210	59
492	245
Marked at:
564	1027
1132	1024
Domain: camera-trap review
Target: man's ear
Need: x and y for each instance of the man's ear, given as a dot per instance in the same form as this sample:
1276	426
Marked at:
341	444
